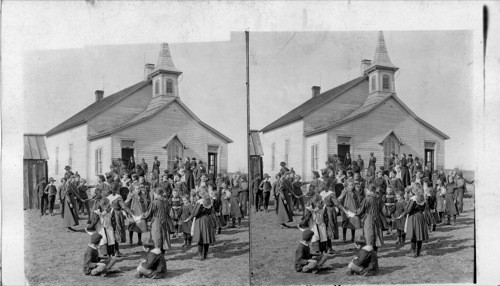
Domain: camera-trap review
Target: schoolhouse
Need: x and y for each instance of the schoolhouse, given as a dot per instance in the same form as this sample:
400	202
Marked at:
361	116
144	120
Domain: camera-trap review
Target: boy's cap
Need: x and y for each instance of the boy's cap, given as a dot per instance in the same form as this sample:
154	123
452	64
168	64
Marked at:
307	234
360	240
95	238
149	243
51	179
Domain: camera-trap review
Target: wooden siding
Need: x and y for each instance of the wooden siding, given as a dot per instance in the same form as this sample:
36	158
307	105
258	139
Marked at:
320	140
292	132
338	108
105	145
33	171
367	132
151	135
76	136
121	112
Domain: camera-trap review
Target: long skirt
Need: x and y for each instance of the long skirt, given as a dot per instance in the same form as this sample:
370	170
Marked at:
399	224
451	207
416	227
185	227
138	209
215	221
190	180
460	200
372	230
285	213
160	233
203	230
70	213
120	226
244	203
333	226
235	208
429	218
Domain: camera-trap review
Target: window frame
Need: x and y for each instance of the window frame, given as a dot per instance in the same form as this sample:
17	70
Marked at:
156	87
70	157
167	81
315	157
273	156
98	161
56	168
287	150
374	82
388	78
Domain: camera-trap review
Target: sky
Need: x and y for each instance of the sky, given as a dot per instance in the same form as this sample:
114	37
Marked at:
435	77
59	83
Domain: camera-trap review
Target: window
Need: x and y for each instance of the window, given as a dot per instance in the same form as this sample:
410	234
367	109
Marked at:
386	82
314	157
374	82
170	86
56	168
273	159
157	87
70	160
98	161
287	150
174	149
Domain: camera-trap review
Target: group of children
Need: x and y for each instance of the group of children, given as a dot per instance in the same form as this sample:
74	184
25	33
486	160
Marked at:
369	204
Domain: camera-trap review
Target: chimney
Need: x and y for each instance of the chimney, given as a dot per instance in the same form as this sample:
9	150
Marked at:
316	90
148	69
365	64
99	94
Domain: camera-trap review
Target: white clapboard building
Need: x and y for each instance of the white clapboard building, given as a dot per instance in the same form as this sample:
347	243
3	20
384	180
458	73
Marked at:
144	120
361	116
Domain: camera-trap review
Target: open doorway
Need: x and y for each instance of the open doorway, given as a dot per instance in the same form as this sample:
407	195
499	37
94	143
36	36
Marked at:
127	150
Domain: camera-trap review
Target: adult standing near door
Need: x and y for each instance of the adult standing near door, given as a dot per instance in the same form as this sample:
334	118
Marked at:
144	166
156	166
131	164
372	164
361	163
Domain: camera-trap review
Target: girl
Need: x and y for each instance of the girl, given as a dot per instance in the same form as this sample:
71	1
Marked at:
440	190
185	227
176	205
203	228
389	201
235	204
117	205
316	219
125	184
189	178
371	210
102	223
137	204
219	221
349	201
332	224
225	202
158	214
399	223
430	212
451	201
416	227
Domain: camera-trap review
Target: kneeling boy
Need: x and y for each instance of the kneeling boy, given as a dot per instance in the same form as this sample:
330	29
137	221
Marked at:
155	265
92	263
367	262
304	260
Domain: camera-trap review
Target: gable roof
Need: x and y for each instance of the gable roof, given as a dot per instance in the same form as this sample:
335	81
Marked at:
382	139
311	104
150	113
95	108
172	138
34	147
367	108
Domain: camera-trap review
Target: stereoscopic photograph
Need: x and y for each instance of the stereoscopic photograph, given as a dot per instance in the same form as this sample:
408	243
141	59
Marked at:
366	174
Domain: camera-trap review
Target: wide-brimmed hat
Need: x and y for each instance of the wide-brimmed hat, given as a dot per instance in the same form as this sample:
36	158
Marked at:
361	240
200	162
51	179
266	175
282	164
67	167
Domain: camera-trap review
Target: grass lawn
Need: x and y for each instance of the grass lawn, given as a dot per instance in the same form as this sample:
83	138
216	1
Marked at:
55	257
447	257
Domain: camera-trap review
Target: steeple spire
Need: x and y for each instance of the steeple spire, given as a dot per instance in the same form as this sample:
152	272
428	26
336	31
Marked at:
165	62
381	57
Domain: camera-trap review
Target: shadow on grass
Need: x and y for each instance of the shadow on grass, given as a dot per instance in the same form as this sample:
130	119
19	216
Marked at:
177	272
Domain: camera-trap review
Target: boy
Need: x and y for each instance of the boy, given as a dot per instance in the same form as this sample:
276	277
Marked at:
367	262
305	261
92	263
52	191
265	186
154	266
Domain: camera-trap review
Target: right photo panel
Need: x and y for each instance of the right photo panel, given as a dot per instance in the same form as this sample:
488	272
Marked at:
361	157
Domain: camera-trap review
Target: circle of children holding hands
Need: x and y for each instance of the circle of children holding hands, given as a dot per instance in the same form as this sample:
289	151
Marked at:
406	197
184	204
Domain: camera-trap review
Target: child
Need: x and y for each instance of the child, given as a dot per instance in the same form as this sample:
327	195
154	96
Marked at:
102	223
137	202
185	227
440	194
389	201
154	266
316	219
349	201
225	201
217	211
366	263
305	261
92	263
265	186
451	201
176	205
433	218
399	224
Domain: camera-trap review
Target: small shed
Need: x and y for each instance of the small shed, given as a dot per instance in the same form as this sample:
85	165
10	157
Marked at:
256	153
34	167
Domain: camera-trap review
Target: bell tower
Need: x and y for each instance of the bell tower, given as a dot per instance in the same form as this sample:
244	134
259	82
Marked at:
381	71
165	75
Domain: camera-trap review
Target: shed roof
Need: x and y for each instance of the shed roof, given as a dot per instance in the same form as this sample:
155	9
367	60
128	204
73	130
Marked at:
34	147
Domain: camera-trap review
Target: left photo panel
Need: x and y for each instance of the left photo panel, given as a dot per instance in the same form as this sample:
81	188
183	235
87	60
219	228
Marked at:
135	166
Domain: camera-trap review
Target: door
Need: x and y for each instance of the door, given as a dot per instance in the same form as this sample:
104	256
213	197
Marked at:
429	159
174	150
342	150
212	164
391	146
126	154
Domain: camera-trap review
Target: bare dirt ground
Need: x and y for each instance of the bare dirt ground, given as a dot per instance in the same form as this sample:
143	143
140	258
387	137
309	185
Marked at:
447	257
55	257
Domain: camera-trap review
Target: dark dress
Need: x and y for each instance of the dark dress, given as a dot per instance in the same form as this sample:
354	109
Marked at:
203	225
349	201
450	197
400	208
160	229
332	228
70	206
371	208
185	213
235	210
189	177
285	213
416	226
